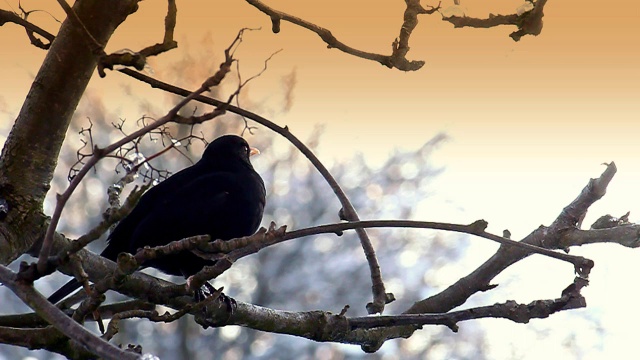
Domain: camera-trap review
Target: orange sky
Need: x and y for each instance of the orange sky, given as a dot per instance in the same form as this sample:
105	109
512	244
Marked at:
583	67
529	122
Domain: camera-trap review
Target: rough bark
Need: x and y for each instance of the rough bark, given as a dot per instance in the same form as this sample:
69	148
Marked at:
30	154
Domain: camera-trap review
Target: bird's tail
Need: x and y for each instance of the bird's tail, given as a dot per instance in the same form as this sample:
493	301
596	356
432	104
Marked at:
110	252
65	290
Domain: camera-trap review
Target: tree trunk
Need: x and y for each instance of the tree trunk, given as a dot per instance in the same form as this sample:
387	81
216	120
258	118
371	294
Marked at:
31	151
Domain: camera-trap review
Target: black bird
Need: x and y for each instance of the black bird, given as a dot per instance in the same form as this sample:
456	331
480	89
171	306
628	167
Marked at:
221	195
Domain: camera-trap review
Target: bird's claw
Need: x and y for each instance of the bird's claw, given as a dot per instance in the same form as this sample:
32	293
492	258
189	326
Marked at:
208	290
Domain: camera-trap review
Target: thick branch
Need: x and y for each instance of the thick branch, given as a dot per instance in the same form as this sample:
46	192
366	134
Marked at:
48	338
325	326
627	235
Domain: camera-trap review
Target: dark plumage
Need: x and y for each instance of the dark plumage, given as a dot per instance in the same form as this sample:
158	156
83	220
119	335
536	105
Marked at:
221	195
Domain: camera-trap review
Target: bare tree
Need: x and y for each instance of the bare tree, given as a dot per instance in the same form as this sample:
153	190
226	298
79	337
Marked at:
30	155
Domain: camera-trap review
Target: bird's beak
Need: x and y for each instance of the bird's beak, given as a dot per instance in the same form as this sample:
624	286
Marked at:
253	151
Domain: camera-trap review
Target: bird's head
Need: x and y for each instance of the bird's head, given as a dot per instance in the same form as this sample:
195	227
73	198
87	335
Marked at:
228	149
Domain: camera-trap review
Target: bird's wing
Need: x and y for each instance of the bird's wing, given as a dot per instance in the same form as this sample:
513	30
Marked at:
120	236
223	205
202	206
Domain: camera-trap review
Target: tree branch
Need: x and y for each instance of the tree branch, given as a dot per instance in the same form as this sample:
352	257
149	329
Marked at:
96	47
62	322
139	59
8	16
364	331
48	338
396	60
33	320
626	235
240	247
98	154
528	22
519	313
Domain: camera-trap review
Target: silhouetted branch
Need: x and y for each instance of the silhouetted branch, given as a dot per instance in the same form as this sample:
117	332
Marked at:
327	327
139	59
529	22
400	48
547	237
8	16
124	57
169	26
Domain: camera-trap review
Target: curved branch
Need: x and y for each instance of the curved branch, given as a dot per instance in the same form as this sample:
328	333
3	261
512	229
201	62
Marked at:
378	289
476	228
